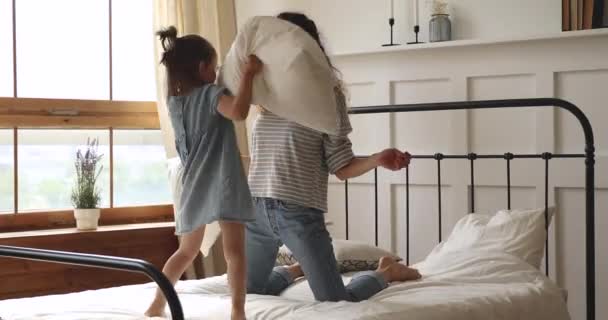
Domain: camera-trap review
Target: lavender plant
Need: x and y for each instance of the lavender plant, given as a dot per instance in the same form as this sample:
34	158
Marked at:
85	194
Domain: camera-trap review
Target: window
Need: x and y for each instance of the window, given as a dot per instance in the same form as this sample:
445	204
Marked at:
140	172
84	69
62	49
74	49
7	168
46	167
6	48
132	51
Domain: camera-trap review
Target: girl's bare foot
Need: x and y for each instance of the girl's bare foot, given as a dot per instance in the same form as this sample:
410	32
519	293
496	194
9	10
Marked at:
156	309
394	271
154	314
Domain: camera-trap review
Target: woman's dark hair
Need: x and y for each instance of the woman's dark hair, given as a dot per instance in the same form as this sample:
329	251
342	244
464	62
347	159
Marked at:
181	57
302	21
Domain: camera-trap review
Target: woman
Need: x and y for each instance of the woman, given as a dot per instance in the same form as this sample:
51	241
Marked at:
288	180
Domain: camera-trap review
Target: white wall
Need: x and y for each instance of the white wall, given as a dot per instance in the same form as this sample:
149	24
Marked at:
477	72
353	25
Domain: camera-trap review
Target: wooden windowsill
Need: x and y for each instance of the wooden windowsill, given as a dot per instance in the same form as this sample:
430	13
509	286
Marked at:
101	229
65	219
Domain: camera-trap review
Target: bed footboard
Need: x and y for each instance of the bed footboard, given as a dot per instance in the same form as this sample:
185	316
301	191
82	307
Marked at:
105	262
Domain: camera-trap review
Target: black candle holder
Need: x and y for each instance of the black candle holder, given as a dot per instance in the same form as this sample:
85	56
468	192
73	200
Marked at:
416	31
391	23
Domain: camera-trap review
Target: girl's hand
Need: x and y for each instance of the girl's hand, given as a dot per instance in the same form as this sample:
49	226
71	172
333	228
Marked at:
393	159
253	65
237	107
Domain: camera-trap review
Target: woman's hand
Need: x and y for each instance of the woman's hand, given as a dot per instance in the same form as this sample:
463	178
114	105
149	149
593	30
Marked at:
253	65
393	159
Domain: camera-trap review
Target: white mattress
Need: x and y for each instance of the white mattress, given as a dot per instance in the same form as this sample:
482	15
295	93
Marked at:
460	285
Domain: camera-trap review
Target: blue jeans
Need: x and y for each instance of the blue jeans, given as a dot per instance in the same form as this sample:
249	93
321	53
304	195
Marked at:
303	232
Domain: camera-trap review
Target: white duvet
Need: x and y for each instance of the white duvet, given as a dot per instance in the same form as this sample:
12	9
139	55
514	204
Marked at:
457	285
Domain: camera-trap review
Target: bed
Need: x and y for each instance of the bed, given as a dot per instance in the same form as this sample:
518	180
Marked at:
466	285
460	282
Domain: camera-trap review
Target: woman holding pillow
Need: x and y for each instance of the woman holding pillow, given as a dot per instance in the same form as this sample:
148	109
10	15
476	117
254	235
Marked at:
288	180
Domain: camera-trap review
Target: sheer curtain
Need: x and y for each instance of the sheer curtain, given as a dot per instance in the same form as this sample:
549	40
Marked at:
215	20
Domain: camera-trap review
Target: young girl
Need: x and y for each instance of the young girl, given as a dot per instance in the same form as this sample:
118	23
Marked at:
214	183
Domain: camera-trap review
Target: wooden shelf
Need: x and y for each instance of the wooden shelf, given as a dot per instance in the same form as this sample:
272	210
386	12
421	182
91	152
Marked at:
474	42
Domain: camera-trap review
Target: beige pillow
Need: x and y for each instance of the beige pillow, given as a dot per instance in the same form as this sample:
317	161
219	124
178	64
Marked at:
297	82
350	255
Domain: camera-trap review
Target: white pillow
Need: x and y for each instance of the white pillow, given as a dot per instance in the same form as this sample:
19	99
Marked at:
350	255
518	232
297	82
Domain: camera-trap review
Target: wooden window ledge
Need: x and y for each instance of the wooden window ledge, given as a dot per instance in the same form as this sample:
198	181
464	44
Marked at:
101	229
65	219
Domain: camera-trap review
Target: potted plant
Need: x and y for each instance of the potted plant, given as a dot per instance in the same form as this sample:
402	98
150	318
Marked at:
86	194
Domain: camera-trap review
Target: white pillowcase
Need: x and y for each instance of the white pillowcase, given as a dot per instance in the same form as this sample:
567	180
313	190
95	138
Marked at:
350	255
517	232
297	82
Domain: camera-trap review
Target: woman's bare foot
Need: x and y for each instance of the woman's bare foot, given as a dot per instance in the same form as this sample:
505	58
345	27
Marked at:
385	262
295	270
394	271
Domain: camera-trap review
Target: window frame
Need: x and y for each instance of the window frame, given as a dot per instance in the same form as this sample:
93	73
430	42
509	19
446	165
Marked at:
41	113
77	114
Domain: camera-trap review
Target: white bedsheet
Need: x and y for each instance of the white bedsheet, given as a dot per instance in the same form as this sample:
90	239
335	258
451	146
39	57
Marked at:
457	286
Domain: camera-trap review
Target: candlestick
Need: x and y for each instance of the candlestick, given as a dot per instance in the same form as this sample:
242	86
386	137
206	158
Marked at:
416	31
416	24
391	23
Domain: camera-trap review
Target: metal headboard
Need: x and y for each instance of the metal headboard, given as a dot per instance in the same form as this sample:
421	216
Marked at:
588	155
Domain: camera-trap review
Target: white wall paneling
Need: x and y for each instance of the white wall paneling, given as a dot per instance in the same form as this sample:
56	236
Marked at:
423	219
573	68
410	127
593	99
486	127
364	94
